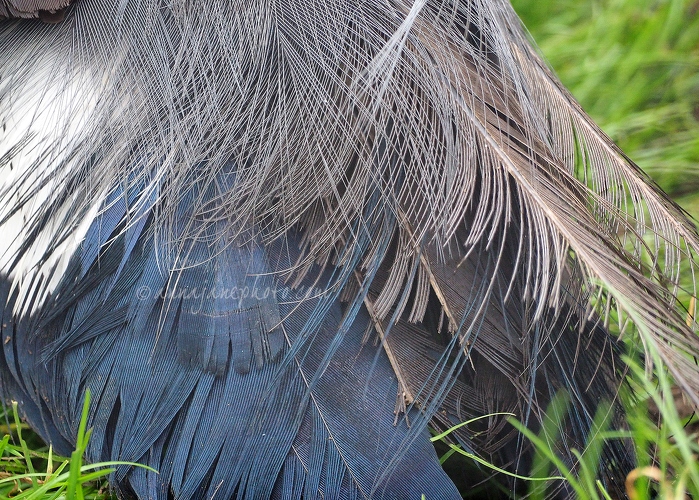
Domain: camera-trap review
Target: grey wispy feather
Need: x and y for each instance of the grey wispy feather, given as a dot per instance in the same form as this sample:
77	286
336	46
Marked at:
277	239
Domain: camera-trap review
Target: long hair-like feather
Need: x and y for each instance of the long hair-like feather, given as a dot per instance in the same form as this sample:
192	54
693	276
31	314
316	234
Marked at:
276	239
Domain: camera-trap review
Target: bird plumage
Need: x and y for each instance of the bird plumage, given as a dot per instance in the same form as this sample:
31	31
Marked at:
276	240
49	11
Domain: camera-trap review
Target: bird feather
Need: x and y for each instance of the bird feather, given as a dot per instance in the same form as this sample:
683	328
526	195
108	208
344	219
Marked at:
276	239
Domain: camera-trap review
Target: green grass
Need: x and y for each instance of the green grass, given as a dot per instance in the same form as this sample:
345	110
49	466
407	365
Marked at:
634	67
31	471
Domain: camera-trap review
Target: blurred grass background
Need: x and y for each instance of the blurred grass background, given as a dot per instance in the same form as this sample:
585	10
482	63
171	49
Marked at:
634	67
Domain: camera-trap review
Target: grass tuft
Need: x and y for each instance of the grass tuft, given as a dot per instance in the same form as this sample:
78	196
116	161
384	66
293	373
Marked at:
62	477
